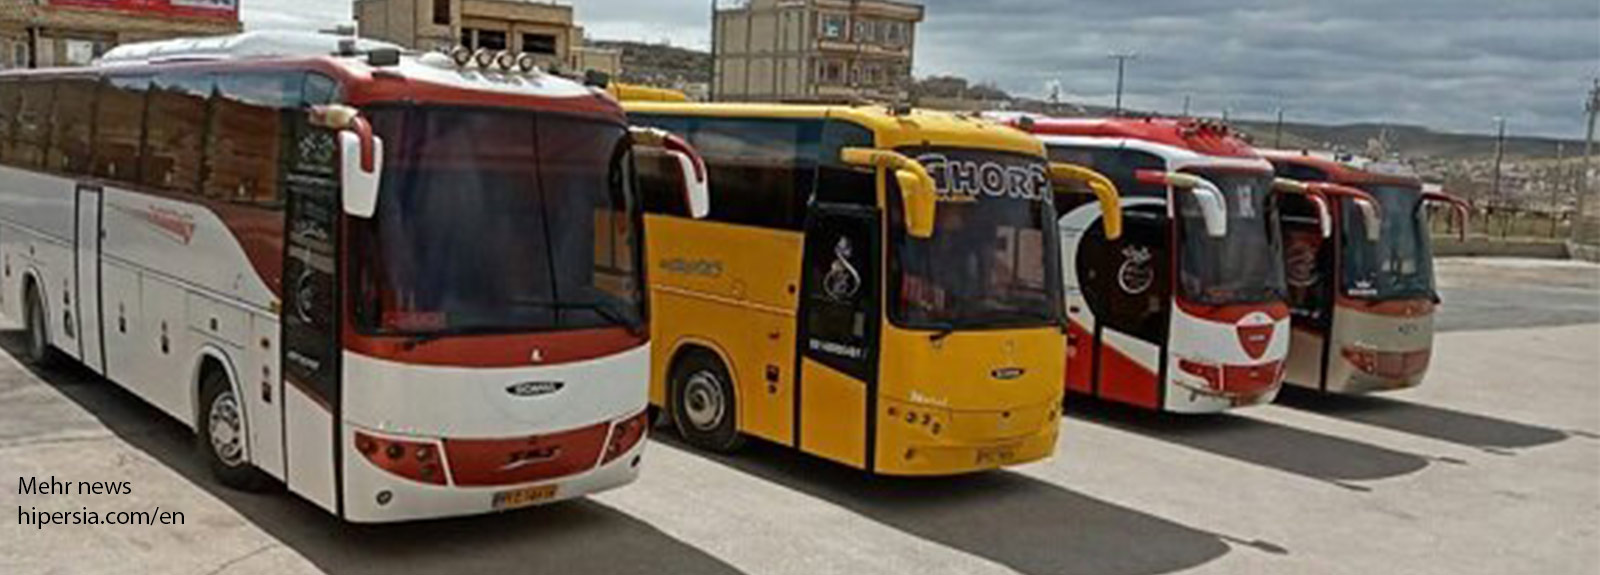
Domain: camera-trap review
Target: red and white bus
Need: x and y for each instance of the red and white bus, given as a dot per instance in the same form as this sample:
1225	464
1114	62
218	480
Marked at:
1363	299
1185	313
404	286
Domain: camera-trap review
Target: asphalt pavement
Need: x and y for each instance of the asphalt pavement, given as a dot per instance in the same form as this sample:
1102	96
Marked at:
1492	466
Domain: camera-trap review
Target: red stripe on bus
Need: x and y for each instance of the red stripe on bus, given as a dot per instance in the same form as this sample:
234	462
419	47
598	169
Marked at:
491	351
1123	379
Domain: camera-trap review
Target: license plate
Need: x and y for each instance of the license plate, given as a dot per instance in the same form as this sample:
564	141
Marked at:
524	497
1000	455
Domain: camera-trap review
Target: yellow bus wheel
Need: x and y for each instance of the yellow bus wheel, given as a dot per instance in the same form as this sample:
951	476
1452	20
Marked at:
704	407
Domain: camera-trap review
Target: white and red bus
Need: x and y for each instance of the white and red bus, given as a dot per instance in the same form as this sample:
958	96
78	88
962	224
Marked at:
1363	299
1185	313
404	286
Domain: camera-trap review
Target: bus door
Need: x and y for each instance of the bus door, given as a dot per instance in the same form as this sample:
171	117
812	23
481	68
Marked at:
1310	272
839	322
1128	289
91	347
310	321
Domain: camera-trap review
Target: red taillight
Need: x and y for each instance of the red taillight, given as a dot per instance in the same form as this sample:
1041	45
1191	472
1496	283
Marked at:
417	461
1211	373
1387	364
626	434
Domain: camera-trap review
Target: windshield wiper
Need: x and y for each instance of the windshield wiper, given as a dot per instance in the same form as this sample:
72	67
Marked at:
606	312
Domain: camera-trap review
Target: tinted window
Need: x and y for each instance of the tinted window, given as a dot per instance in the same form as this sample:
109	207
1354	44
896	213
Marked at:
119	128
1118	164
33	125
71	122
175	142
248	125
838	182
10	103
660	178
762	171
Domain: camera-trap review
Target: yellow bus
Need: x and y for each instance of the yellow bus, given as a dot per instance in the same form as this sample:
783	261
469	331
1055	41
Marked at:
878	287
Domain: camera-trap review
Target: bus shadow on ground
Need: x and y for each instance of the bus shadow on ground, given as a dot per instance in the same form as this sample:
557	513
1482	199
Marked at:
1028	525
1461	428
1293	450
573	537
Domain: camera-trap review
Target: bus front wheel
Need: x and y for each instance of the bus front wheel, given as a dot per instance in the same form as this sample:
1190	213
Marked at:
704	407
220	435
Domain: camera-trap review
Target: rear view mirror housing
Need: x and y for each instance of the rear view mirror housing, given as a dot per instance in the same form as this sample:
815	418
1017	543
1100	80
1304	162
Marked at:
918	192
360	158
1213	206
1103	188
1372	215
692	167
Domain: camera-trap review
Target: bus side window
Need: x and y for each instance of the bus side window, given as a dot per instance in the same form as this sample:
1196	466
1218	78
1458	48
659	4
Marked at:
10	103
837	182
246	135
762	171
33	125
119	125
174	142
70	120
319	90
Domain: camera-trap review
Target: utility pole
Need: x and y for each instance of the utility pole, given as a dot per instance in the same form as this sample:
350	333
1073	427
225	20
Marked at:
1277	132
1185	105
711	92
1585	184
1560	186
1122	64
1499	156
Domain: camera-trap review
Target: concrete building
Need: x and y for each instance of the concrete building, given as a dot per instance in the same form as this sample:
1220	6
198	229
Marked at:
814	50
45	33
545	29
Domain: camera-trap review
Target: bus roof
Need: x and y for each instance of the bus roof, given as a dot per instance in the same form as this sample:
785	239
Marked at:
1348	169
915	127
431	77
1208	138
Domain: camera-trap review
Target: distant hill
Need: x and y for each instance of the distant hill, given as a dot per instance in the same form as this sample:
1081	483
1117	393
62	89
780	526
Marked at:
665	65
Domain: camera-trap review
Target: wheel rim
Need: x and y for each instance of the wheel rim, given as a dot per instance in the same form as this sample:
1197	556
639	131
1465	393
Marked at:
703	401
226	429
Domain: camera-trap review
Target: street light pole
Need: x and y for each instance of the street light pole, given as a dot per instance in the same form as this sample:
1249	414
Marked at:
1499	155
1122	64
1277	132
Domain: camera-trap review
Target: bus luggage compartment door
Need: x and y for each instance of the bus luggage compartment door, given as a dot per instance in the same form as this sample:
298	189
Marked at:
86	306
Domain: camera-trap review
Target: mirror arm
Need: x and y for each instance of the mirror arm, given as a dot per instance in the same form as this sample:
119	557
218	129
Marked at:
1462	208
1105	191
1296	188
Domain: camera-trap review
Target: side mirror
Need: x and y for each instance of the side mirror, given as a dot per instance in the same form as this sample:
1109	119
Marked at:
1371	215
360	158
1296	187
1462	208
918	192
1213	206
696	182
1102	187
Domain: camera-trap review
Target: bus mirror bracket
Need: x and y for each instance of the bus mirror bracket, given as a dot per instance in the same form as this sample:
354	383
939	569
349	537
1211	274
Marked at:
1371	214
1213	206
1462	208
1298	188
692	167
918	192
360	158
1103	188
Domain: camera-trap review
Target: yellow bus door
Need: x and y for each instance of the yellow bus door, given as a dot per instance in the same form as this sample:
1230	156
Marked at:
838	338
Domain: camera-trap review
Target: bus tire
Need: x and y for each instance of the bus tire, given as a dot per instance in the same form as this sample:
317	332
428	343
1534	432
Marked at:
40	353
703	405
220	435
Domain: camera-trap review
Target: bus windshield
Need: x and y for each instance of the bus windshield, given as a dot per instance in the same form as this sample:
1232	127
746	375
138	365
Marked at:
1243	267
990	262
1399	264
497	221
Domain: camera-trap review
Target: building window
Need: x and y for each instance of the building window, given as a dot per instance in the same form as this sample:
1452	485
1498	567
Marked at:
494	40
894	33
539	44
866	32
441	12
830	72
833	26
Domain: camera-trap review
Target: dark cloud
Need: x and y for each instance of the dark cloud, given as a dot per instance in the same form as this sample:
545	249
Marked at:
1447	64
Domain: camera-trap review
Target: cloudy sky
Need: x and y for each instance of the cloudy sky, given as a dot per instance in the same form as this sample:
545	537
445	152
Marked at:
1448	64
